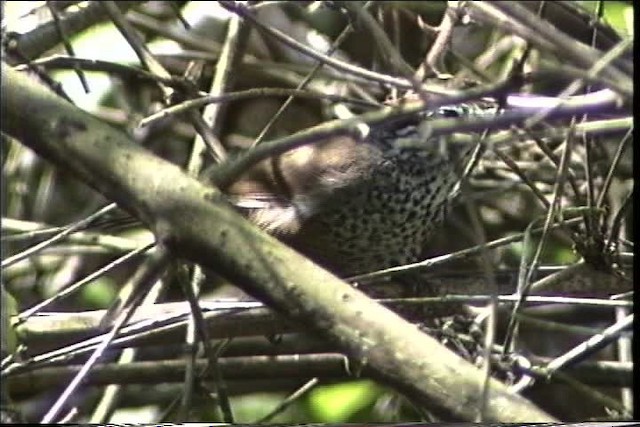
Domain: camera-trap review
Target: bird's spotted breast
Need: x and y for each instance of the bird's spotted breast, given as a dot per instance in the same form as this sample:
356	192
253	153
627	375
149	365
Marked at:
360	206
384	220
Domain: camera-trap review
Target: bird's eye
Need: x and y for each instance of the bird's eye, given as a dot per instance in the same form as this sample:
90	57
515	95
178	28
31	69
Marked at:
449	112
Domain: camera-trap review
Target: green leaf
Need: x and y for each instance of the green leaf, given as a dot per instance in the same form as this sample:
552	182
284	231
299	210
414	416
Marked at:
339	402
618	14
99	294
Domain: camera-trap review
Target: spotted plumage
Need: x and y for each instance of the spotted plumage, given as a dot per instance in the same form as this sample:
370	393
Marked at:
357	206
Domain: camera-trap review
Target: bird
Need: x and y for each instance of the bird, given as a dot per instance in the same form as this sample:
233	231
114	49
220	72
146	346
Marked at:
356	206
